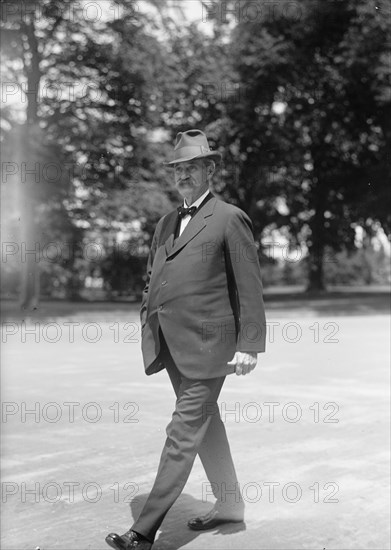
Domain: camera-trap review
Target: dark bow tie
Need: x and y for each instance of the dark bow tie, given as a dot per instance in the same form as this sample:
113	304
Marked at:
182	211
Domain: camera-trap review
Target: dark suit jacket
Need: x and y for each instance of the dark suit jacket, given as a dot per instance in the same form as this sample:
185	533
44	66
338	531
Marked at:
204	291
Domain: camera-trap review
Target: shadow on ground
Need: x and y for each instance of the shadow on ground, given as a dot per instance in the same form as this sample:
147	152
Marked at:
174	533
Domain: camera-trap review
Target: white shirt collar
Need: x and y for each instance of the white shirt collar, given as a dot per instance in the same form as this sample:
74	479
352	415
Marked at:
197	202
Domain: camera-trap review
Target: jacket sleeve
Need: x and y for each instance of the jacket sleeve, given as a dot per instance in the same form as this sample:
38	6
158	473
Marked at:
242	257
151	256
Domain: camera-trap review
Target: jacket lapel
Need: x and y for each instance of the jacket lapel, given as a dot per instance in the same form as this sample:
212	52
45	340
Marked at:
168	229
195	225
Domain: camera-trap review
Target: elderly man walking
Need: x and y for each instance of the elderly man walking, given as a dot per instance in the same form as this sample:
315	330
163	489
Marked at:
202	318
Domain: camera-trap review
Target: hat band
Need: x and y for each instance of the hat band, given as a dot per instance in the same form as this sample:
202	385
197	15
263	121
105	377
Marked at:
190	151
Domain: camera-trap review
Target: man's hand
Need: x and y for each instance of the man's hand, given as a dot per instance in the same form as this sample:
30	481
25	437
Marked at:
245	362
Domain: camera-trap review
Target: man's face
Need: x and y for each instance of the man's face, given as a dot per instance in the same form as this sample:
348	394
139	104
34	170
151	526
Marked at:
190	176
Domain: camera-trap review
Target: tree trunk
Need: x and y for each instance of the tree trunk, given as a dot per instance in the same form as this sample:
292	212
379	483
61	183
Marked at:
317	246
29	182
30	252
316	272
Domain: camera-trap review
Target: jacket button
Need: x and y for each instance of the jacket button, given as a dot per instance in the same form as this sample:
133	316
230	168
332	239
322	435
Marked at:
161	308
164	283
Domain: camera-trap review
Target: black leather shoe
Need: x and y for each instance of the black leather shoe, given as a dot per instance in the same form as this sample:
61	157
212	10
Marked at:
213	519
128	541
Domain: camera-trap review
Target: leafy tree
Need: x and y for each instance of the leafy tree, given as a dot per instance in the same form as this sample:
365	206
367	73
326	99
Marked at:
309	129
91	103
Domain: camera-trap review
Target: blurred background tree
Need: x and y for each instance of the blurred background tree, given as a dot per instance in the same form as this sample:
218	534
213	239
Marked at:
91	101
296	97
310	128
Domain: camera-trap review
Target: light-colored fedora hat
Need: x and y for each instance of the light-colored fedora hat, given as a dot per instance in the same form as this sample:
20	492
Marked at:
192	145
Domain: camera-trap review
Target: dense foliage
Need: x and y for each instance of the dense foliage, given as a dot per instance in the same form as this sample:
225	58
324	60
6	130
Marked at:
296	99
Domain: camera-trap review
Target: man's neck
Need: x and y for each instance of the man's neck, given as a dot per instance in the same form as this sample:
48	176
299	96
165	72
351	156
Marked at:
190	200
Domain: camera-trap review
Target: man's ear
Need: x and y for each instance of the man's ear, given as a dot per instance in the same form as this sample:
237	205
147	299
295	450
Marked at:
211	167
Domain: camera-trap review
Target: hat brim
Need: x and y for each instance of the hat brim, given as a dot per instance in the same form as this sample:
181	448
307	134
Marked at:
213	155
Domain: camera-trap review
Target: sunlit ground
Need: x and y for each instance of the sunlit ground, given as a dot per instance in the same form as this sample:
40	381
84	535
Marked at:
70	478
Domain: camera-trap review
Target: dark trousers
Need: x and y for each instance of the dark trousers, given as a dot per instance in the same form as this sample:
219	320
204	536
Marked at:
195	427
